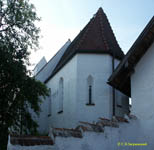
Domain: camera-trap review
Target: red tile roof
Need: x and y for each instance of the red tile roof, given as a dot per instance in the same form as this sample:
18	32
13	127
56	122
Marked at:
96	37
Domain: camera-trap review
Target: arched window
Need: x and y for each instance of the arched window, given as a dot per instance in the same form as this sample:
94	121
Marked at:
61	95
90	83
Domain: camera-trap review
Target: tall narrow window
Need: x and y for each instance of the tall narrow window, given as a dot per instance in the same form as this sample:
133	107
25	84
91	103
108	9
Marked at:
90	94
49	98
90	90
61	95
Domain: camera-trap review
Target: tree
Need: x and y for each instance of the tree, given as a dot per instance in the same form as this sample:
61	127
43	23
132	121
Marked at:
18	90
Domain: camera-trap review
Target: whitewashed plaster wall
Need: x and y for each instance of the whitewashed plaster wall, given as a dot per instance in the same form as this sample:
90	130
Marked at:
99	66
126	133
67	118
142	93
75	74
38	147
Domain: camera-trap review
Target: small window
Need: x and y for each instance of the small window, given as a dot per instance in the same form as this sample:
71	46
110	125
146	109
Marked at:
49	103
90	90
61	95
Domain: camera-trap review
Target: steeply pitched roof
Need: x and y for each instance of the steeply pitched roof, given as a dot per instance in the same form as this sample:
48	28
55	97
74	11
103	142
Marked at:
96	37
39	65
47	70
120	78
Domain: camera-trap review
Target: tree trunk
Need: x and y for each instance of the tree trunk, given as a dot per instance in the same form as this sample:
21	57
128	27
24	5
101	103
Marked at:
3	138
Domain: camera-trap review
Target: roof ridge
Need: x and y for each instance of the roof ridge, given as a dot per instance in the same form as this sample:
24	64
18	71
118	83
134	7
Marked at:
109	25
100	13
96	37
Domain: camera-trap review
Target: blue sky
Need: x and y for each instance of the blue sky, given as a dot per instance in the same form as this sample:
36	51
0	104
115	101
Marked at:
63	19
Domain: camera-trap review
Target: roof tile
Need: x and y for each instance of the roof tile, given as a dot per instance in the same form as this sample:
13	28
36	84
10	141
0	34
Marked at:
96	37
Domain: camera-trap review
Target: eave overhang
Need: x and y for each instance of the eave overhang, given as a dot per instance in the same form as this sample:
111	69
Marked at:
120	79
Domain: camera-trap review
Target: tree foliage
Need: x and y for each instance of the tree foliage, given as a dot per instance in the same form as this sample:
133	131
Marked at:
18	91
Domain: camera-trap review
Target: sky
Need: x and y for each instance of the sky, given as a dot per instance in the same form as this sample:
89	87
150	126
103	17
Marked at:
64	19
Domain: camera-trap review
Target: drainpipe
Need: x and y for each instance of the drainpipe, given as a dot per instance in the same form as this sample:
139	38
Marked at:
113	90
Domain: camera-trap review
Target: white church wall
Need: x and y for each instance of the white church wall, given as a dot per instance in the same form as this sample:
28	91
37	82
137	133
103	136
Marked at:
67	118
37	147
75	93
142	93
121	138
99	66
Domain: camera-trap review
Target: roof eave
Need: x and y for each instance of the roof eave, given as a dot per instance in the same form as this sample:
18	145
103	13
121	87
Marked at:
94	51
126	67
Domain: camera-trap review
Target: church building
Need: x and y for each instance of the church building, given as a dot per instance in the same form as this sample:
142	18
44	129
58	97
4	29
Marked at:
77	77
